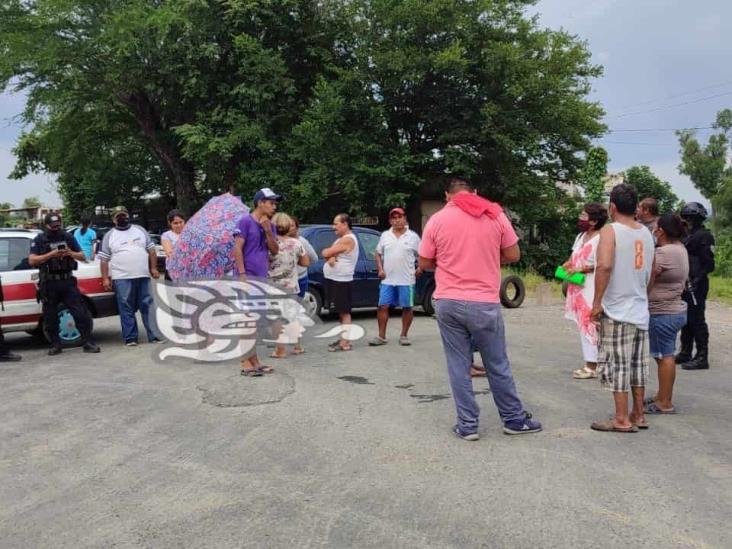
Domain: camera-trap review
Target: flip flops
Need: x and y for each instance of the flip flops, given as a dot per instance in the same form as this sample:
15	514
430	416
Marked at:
609	427
251	372
655	409
584	373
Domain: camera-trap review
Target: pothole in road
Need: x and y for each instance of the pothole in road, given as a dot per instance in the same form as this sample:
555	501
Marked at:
238	391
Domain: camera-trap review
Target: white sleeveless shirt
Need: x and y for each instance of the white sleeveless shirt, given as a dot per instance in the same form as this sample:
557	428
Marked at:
345	265
626	297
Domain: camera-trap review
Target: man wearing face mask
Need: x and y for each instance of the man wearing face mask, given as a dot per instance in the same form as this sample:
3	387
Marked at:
55	252
128	255
700	247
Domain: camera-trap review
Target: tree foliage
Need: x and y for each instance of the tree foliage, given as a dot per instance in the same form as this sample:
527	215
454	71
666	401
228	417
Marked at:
342	105
592	174
650	185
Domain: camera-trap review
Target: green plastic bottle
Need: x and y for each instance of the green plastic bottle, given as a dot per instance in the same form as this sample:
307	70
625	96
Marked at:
576	278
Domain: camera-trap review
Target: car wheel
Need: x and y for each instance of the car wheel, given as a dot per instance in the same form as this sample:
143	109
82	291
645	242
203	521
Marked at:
513	292
428	302
68	333
313	302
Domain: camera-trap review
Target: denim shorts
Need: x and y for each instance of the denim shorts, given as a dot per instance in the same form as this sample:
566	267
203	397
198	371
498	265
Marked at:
662	333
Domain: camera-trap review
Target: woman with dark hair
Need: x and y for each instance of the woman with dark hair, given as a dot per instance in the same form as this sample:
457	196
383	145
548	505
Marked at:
177	223
580	298
667	308
86	238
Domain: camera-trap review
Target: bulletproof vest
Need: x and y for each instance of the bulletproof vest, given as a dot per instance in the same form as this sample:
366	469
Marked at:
699	247
50	242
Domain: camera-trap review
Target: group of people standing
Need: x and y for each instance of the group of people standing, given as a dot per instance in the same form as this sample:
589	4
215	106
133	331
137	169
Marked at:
646	280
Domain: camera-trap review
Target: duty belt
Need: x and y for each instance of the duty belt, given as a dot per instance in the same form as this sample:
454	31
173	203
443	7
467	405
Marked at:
56	276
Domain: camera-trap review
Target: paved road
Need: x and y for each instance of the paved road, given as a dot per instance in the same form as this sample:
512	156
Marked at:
353	450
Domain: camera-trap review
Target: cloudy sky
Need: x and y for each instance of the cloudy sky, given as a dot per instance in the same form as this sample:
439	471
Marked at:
667	65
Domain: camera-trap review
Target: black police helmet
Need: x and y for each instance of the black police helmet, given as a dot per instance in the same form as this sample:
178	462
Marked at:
694	209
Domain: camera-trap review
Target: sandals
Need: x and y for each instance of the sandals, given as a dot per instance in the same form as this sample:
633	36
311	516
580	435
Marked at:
250	372
275	355
404	341
337	347
377	342
655	409
584	373
643	425
609	427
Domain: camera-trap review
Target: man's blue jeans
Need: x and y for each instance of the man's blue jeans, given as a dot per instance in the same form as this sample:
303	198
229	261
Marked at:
462	324
133	295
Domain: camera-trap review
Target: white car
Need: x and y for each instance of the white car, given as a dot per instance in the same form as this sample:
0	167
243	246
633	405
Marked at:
21	311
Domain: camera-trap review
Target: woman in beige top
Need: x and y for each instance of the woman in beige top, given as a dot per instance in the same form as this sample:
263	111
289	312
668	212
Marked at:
668	310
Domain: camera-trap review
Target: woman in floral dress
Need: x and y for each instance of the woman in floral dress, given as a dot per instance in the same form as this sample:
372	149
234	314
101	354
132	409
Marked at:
283	274
580	298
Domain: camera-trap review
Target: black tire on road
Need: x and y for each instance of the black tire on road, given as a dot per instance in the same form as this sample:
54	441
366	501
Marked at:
428	305
513	292
69	336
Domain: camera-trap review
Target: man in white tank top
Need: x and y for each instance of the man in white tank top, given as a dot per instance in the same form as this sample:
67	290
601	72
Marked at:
341	259
624	263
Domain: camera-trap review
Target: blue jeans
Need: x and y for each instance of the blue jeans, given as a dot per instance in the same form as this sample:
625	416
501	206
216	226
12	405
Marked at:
133	295
462	324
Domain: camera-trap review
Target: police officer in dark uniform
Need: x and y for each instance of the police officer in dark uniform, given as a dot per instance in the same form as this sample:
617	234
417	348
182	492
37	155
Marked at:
700	246
55	253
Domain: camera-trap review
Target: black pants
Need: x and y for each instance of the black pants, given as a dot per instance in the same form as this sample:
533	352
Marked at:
696	329
66	292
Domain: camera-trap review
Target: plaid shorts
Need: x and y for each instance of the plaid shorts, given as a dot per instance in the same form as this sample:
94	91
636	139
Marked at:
622	355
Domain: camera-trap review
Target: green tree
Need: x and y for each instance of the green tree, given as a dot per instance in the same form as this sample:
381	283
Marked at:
32	202
650	185
592	173
706	165
351	105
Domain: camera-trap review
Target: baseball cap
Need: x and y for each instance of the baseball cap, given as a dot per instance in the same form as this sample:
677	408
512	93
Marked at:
266	194
119	210
397	211
52	218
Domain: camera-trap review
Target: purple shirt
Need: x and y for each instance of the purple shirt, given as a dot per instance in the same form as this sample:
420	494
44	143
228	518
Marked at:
256	252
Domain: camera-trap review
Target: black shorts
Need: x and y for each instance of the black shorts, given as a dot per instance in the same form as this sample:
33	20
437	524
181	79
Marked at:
338	296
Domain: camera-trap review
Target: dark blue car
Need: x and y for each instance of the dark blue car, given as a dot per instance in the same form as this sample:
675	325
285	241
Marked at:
366	279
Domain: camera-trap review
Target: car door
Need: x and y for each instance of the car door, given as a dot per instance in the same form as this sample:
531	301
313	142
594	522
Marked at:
320	239
366	287
19	282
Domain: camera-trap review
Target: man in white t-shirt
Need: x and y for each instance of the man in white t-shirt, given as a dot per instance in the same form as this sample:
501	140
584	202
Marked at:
396	260
129	253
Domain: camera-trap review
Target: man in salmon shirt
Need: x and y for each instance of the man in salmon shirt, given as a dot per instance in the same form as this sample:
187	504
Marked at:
466	242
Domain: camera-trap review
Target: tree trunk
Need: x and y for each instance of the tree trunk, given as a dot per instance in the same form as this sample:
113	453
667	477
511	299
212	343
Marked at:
179	170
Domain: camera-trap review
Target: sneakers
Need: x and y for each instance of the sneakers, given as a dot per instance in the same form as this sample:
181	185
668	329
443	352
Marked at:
522	426
131	344
471	437
377	342
55	350
91	347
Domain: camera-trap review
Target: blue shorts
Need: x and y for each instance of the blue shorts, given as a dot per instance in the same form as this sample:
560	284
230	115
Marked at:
396	296
662	333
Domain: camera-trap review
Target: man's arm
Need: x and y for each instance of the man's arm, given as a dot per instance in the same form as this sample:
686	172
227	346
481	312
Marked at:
427	263
105	254
272	245
603	269
153	263
510	255
74	250
239	254
380	266
342	245
36	260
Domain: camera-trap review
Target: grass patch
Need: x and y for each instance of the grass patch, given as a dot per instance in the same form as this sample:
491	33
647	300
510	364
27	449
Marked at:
720	289
532	280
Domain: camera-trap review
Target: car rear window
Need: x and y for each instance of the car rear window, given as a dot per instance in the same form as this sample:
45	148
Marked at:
321	240
14	253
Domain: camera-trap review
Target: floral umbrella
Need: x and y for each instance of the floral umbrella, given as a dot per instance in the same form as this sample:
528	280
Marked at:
205	248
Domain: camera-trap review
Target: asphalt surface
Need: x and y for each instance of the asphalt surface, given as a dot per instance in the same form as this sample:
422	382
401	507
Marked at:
353	450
